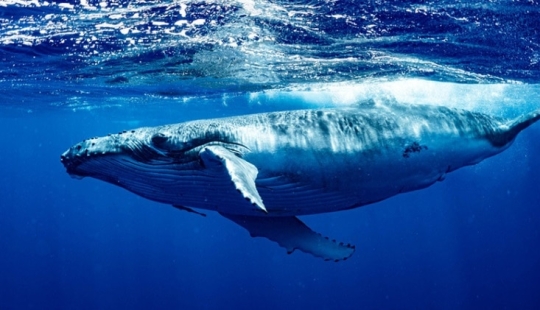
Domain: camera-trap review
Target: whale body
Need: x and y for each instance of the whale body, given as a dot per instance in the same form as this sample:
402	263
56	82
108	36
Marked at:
262	170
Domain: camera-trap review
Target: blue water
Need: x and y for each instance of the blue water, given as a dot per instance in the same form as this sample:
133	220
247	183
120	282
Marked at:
70	70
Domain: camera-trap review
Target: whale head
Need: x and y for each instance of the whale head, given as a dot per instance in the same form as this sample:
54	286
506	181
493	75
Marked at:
102	157
157	163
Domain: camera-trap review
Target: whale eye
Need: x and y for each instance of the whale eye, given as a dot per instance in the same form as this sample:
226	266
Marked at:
159	140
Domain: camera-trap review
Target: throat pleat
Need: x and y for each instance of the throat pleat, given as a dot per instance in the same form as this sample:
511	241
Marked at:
191	186
282	197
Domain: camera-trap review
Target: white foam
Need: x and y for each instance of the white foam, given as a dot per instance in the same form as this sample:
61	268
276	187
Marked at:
84	4
198	22
249	6
489	98
183	8
65	5
108	25
116	16
181	22
23	3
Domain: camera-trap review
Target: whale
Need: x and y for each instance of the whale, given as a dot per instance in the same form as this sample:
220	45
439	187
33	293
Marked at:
262	171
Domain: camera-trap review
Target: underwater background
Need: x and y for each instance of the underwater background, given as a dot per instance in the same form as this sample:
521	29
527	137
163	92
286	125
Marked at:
70	70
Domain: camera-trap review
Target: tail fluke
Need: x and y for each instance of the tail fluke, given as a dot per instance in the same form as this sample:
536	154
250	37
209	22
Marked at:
522	122
507	134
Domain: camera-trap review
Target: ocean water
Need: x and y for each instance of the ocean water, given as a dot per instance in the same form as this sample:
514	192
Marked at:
74	69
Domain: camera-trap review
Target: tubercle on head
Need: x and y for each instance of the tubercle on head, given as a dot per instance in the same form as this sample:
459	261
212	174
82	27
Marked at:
90	147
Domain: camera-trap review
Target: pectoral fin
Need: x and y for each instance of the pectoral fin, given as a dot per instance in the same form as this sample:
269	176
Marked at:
292	234
240	172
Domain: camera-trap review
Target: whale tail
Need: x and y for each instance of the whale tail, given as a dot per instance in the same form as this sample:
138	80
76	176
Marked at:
522	122
514	127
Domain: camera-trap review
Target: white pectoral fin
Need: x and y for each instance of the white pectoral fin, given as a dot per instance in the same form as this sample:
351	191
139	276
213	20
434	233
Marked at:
291	233
240	172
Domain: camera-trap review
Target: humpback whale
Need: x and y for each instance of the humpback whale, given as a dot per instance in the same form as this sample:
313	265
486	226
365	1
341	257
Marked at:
262	170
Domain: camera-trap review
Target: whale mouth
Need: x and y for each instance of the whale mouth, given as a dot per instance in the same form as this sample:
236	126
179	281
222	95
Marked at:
121	163
75	166
84	158
80	163
71	163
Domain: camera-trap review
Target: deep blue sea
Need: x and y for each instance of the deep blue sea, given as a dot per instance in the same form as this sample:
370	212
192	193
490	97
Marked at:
74	69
